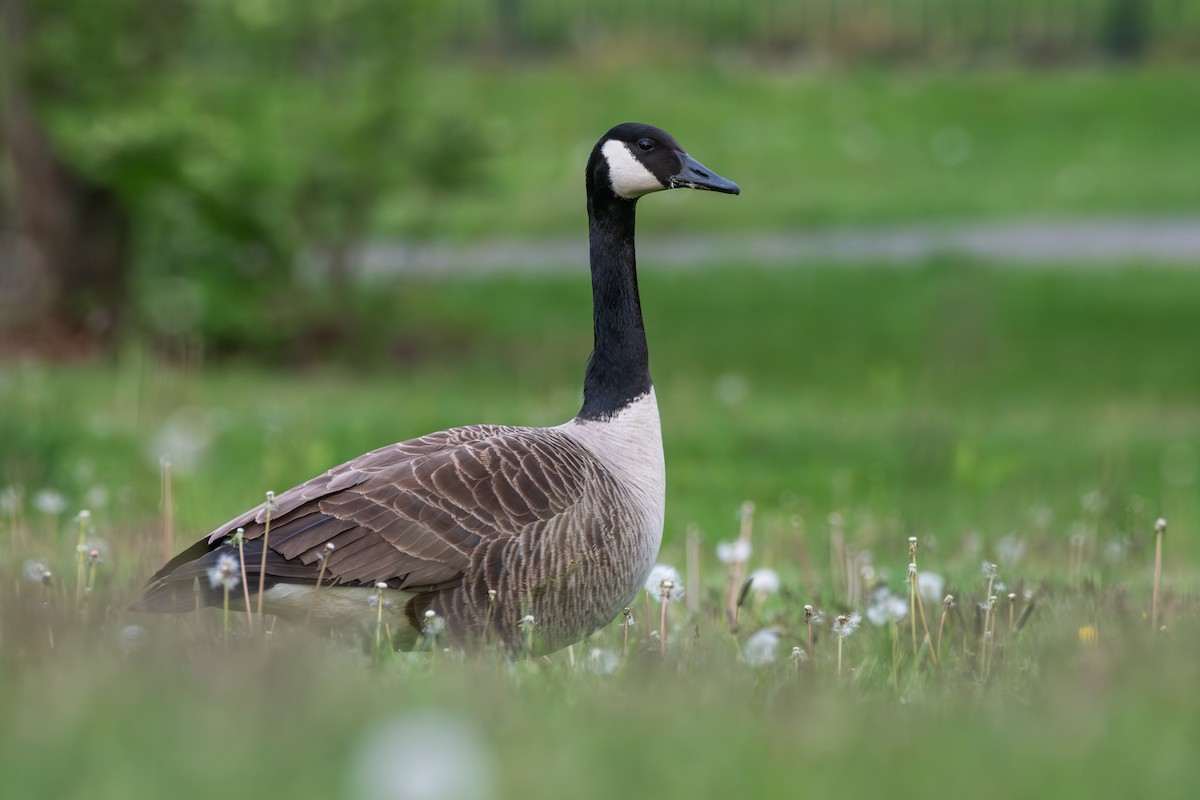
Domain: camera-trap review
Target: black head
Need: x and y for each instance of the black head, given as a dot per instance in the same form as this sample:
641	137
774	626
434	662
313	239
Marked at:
634	159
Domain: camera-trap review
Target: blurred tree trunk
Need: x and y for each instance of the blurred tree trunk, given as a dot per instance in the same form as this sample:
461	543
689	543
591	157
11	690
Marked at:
77	231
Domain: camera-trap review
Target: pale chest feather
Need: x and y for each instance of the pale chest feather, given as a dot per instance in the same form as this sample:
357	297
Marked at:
629	445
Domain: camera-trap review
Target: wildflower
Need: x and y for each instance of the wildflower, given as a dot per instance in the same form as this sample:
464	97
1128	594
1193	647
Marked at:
886	607
626	617
528	620
664	583
799	655
735	552
1088	636
424	755
50	502
846	624
94	550
760	647
36	570
990	570
433	625
765	581
813	616
270	505
930	585
132	638
225	573
603	661
1010	549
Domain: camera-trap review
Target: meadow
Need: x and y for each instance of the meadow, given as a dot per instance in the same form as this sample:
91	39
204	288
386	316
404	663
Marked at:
1037	419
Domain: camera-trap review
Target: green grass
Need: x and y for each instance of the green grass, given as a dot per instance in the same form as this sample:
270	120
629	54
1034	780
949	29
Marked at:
961	403
821	147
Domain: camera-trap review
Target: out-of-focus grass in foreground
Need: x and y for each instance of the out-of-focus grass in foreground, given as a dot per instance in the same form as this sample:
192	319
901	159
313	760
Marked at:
1038	419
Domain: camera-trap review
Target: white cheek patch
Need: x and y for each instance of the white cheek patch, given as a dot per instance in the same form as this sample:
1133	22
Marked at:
629	177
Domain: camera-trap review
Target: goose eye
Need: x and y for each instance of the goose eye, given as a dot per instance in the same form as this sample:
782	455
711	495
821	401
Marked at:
645	144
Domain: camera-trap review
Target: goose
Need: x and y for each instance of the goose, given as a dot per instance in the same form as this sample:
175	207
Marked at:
481	528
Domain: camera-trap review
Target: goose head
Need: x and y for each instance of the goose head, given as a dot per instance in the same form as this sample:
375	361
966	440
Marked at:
634	159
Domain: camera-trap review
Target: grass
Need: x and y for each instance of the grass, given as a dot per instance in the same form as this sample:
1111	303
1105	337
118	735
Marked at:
814	147
984	409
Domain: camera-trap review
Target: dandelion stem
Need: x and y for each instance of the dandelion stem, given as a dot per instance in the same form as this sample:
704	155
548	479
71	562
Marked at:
225	615
662	621
949	601
240	536
168	508
1160	531
269	507
329	546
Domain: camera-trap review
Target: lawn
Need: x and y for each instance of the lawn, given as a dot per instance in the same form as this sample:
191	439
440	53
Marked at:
815	147
1041	419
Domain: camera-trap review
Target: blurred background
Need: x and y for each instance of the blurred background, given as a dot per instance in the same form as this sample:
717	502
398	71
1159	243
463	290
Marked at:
244	240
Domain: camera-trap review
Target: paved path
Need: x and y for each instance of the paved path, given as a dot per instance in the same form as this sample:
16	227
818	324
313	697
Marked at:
1128	240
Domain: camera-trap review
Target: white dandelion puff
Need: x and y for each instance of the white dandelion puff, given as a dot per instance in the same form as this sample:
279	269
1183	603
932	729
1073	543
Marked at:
603	661
990	570
36	570
225	573
427	755
735	552
50	502
846	624
764	580
664	584
760	648
886	607
930	585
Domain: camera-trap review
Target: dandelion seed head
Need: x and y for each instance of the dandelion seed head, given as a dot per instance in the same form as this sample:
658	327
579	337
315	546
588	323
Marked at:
330	547
35	569
433	624
799	654
132	638
764	580
225	573
990	570
528	620
846	624
886	607
912	570
381	585
930	585
50	502
603	661
430	755
948	601
1160	526
760	647
664	583
735	552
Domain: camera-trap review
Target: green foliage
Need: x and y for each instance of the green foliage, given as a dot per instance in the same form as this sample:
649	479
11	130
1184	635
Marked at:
238	135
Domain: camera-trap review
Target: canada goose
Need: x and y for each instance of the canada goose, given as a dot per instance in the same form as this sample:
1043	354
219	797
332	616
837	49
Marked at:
486	525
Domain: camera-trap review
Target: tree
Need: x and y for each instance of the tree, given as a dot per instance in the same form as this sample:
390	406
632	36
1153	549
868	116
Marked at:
172	157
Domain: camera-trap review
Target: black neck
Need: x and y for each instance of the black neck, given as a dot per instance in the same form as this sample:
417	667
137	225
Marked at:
619	368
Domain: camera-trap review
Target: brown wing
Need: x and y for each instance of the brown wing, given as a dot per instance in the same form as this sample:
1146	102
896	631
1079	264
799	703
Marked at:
412	514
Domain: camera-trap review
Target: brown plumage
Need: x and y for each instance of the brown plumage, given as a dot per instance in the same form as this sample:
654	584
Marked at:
486	525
